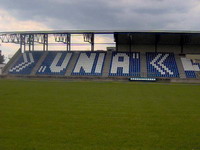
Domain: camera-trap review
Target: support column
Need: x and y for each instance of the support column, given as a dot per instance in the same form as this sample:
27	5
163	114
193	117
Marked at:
68	42
45	42
157	39
130	41
182	43
23	42
89	37
92	42
116	41
31	42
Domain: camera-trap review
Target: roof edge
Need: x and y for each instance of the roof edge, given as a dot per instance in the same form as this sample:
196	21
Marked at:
101	31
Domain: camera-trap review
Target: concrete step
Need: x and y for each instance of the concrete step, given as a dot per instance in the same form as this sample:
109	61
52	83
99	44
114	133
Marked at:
39	63
143	64
72	63
180	67
106	67
197	74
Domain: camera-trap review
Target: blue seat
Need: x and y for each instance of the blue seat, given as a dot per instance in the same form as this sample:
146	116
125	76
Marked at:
161	65
190	74
89	64
55	63
26	63
125	64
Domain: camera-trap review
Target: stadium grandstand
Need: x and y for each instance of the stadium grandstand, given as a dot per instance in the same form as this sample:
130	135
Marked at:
139	54
56	95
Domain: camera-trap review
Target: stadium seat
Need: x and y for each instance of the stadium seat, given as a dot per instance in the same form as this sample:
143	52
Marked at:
125	64
55	63
161	65
26	63
89	64
190	67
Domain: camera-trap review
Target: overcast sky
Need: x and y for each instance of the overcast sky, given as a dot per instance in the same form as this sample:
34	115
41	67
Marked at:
99	14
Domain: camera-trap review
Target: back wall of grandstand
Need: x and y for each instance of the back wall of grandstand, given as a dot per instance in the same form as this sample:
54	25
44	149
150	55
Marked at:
164	42
188	49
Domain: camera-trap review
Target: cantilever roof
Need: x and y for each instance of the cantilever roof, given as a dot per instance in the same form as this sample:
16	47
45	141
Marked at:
140	36
104	32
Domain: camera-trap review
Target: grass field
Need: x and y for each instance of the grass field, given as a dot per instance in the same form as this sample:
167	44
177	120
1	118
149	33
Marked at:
43	115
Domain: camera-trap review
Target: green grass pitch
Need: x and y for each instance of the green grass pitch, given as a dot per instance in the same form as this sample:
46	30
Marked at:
43	115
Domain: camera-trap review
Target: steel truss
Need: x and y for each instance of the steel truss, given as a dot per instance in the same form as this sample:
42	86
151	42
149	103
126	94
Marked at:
26	39
29	39
89	37
10	38
64	38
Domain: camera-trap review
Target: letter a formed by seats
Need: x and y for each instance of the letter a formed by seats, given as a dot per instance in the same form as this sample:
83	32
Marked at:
120	64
